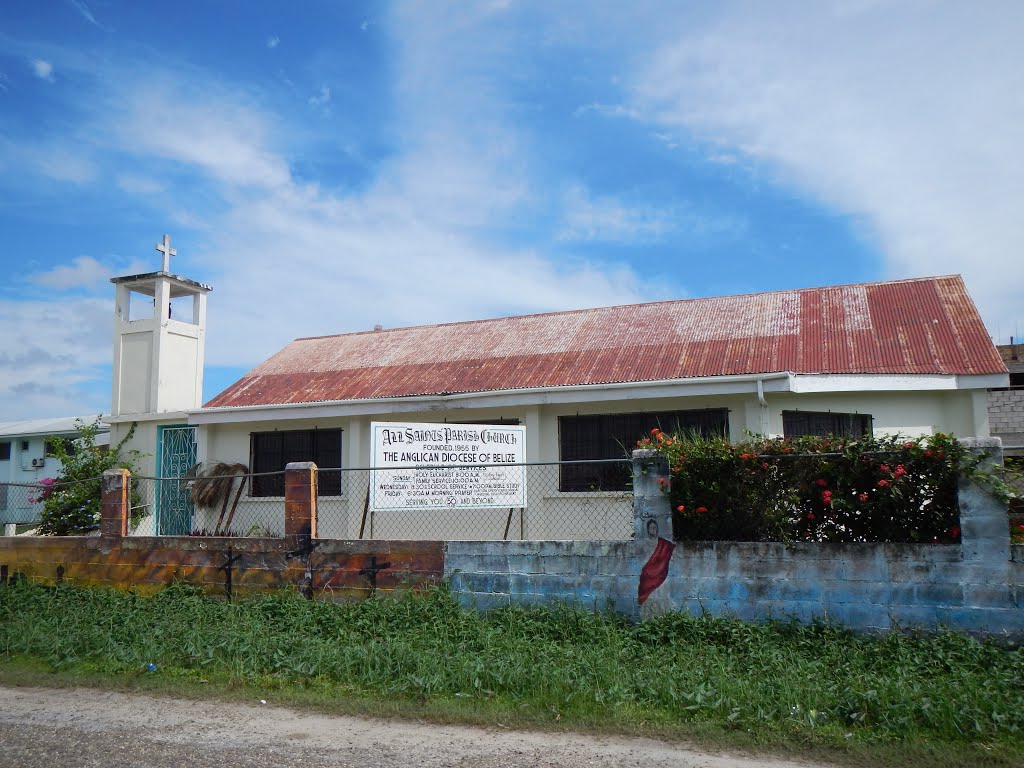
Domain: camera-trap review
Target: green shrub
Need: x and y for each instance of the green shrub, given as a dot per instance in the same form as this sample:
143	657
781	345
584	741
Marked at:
72	500
886	489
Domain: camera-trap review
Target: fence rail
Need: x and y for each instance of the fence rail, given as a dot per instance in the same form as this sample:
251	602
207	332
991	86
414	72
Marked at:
564	500
20	503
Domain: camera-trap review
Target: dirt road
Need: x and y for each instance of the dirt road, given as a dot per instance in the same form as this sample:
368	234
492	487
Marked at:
79	727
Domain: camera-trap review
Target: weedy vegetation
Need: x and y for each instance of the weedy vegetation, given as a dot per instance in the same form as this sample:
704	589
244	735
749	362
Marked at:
821	691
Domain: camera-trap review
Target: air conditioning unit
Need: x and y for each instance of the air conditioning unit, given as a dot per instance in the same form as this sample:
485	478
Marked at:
39	463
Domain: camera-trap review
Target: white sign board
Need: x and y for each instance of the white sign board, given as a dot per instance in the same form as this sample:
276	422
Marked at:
453	466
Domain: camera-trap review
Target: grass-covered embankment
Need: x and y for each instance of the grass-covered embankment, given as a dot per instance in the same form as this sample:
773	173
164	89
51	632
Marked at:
940	699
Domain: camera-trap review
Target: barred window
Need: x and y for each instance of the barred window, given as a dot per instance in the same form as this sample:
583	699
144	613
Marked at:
271	451
823	424
613	436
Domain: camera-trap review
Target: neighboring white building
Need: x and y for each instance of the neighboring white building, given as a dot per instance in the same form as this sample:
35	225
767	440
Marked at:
24	446
908	357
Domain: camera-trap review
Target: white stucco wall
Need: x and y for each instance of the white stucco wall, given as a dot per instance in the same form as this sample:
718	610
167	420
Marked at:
134	372
553	514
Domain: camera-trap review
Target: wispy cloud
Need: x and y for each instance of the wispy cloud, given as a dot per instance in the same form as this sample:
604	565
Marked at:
606	110
139	185
61	163
51	365
273	41
85	272
289	258
83	10
608	219
227	139
907	116
321	98
43	69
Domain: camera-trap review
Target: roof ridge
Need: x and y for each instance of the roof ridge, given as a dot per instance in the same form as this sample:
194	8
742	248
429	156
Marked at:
579	310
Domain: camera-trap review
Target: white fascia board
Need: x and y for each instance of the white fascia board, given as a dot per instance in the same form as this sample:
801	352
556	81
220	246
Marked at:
805	383
710	385
127	418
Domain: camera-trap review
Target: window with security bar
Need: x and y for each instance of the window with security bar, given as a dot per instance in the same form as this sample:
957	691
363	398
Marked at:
825	424
272	451
613	436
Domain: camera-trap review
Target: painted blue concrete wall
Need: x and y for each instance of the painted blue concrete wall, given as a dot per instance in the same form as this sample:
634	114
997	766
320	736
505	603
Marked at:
977	586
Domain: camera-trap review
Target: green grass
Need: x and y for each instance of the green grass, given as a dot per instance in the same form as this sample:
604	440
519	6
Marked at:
819	691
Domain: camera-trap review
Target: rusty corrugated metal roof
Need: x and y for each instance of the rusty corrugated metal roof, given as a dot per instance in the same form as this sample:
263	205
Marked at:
921	326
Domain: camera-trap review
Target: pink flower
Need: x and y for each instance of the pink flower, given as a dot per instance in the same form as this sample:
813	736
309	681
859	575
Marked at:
822	482
862	497
701	510
883	483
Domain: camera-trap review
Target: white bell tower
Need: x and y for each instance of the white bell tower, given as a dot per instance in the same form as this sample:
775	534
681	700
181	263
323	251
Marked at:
159	341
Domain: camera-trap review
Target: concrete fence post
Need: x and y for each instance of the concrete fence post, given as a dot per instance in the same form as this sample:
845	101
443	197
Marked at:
984	523
652	507
300	502
114	503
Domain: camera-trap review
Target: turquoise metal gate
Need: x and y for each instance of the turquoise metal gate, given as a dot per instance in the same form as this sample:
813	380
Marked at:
178	454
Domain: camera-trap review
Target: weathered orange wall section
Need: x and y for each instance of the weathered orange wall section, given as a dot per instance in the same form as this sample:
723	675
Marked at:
320	568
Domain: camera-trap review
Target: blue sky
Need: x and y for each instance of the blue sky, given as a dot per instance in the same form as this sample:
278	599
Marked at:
331	166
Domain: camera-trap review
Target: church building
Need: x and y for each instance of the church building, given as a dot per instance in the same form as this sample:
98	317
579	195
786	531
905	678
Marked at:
909	357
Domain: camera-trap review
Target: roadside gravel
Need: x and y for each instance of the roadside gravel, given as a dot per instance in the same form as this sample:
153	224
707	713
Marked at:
80	728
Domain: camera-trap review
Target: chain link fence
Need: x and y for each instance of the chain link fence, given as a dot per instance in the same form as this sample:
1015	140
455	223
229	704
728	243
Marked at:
235	504
21	504
568	500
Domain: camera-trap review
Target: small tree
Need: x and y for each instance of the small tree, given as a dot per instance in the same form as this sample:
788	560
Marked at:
72	500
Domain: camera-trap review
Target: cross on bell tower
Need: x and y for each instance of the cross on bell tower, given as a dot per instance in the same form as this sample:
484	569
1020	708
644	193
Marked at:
158	358
167	251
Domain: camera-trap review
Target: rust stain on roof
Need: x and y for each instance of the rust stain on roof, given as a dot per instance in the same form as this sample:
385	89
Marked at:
921	326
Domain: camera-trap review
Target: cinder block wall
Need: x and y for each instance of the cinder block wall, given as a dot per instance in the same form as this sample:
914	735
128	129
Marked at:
1006	411
977	586
868	587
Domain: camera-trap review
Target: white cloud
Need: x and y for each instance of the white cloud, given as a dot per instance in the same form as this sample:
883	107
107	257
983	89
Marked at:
273	41
43	69
84	273
63	164
84	11
609	219
226	138
907	116
50	365
139	185
321	98
606	110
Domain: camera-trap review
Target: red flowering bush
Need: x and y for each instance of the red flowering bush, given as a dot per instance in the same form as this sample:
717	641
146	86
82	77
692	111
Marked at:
814	488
